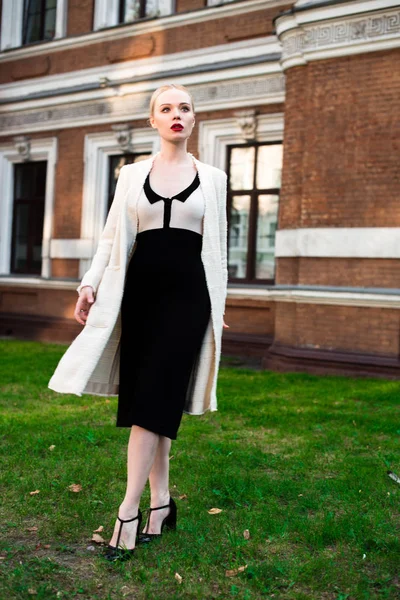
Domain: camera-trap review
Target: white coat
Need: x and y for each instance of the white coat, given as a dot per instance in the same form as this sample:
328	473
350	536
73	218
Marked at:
91	363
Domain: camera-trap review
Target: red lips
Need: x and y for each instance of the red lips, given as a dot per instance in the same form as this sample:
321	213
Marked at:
177	127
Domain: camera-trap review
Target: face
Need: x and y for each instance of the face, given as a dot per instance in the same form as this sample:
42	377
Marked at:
173	115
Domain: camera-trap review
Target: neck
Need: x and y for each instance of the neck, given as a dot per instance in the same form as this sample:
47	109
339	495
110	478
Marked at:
173	153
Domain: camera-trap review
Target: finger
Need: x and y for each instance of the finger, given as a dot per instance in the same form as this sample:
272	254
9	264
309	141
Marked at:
78	314
90	298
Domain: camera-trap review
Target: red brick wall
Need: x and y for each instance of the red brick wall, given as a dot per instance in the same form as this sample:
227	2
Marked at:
38	302
80	17
246	315
186	5
176	39
341	143
352	272
342	328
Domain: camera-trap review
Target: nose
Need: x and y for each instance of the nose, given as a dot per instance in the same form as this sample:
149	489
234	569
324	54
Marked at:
176	112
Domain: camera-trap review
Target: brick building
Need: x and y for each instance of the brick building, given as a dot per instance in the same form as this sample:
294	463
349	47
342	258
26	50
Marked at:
298	102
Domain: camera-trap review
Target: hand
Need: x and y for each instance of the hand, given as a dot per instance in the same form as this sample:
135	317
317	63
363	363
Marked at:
225	325
85	301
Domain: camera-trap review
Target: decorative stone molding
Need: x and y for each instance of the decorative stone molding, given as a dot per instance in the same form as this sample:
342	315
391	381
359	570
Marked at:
23	146
247	122
123	135
234	93
338	242
320	32
216	136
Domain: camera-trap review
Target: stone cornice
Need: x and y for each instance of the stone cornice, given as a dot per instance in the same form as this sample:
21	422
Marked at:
327	30
232	89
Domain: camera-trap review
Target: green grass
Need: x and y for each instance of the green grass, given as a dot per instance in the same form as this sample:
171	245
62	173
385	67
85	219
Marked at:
299	461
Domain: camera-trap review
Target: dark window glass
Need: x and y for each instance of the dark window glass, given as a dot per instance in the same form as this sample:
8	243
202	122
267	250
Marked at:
116	163
28	216
254	179
130	10
39	20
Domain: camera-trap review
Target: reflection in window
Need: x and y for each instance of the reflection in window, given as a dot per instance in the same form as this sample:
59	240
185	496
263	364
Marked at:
238	233
253	199
265	242
28	217
39	20
116	163
241	173
131	10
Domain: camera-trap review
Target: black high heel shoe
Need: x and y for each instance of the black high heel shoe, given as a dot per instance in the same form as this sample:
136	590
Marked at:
114	553
169	522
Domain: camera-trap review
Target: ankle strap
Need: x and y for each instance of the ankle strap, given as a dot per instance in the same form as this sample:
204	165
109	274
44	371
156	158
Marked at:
129	520
160	507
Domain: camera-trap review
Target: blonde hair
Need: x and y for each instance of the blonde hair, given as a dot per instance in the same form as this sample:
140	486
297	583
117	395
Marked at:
164	88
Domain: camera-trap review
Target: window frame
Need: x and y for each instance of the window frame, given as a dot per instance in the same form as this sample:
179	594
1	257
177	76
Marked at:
217	134
12	24
41	150
107	13
33	203
254	194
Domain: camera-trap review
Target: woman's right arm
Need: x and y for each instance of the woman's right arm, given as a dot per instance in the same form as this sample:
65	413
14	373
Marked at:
101	258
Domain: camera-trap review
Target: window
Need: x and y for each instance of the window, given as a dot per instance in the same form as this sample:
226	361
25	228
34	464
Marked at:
108	13
254	178
116	163
39	20
29	21
28	217
216	2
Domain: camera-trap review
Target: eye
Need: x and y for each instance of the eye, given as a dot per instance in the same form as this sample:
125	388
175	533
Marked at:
165	108
186	108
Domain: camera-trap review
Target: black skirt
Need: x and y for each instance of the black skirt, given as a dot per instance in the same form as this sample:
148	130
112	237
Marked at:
164	315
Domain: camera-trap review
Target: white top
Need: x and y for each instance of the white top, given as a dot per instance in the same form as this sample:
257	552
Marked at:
186	214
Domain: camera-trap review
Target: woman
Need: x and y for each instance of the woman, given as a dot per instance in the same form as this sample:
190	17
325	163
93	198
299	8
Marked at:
152	304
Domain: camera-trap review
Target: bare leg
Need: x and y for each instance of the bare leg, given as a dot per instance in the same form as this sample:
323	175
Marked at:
159	485
142	449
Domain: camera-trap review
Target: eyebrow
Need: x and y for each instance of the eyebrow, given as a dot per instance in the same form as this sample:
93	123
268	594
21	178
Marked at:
180	103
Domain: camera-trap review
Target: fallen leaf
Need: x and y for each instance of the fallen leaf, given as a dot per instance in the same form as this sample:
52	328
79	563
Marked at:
75	487
31	528
393	476
39	545
47	546
178	578
31	591
108	401
170	458
246	534
3	557
214	511
97	538
99	529
35	492
183	497
233	572
52	447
